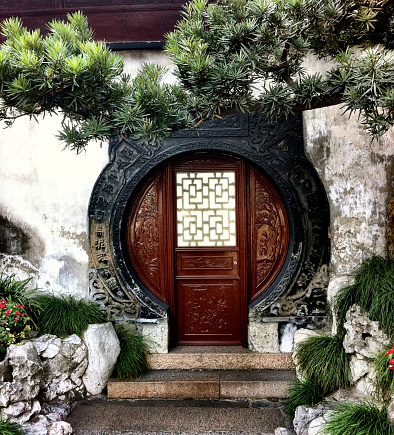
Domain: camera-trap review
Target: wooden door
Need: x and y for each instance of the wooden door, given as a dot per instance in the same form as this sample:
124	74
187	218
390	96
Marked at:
209	250
206	235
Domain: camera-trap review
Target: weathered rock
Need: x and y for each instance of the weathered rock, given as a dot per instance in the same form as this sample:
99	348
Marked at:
363	335
103	350
64	362
304	416
20	412
359	367
264	337
315	426
36	426
60	428
281	431
24	363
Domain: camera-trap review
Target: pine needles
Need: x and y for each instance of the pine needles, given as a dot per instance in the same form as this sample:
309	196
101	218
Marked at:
63	316
132	358
324	360
358	419
7	428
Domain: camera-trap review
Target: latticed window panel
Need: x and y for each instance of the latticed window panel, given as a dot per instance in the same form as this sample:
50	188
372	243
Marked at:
206	208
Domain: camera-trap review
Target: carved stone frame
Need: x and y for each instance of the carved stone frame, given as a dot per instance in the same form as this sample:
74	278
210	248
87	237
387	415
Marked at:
275	148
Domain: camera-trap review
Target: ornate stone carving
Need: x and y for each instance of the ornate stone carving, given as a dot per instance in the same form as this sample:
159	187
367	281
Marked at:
275	148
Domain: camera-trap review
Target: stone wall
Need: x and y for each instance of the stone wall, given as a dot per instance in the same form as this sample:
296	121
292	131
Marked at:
358	178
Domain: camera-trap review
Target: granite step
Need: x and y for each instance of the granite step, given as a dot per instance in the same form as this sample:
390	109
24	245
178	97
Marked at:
204	384
219	358
164	417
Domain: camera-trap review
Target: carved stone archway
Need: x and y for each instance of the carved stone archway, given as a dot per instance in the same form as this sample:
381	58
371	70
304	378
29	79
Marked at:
276	149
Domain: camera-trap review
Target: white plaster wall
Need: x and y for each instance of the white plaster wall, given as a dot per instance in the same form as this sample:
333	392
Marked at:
45	192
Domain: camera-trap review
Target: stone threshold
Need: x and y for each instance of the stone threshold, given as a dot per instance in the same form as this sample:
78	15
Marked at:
205	384
219	358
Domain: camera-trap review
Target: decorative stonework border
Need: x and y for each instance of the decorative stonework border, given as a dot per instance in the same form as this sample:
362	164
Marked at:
276	148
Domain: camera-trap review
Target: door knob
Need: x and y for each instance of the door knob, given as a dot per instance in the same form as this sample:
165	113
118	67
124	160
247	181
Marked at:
235	262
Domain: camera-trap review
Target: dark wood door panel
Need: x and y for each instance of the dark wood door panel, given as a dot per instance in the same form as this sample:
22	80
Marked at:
207	312
194	263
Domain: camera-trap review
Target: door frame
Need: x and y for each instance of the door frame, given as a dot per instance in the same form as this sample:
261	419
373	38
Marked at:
227	162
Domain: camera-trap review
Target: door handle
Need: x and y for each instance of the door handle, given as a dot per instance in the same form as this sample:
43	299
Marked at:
235	262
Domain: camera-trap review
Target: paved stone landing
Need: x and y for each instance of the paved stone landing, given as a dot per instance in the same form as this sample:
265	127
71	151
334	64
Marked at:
113	417
205	384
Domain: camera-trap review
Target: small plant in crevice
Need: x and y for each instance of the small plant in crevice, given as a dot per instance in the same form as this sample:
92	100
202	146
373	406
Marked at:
304	393
324	360
8	428
132	360
357	419
66	315
373	290
383	379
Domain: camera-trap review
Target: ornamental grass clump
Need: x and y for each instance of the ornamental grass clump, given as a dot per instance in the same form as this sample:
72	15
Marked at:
324	360
357	419
373	290
304	393
66	315
133	351
8	428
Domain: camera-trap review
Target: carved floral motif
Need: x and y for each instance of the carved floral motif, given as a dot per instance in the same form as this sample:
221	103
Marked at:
269	232
207	310
146	231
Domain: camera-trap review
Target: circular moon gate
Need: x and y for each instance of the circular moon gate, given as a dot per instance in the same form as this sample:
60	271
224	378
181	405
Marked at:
273	150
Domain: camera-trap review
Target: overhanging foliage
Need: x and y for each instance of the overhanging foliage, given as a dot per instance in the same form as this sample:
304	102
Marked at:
230	56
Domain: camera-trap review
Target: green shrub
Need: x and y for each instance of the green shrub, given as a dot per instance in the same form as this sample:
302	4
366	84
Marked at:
383	376
7	428
373	290
63	316
358	419
323	359
14	289
14	324
303	393
132	358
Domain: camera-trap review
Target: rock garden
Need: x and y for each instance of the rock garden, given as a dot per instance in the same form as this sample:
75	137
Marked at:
55	351
345	382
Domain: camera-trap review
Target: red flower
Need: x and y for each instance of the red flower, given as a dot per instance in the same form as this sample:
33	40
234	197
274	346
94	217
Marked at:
23	314
16	318
17	313
7	312
3	322
390	351
19	305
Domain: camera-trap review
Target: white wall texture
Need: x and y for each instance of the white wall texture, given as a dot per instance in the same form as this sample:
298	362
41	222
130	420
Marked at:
45	191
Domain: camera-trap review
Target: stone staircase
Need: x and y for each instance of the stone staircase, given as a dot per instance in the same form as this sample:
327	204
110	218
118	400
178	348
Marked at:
200	372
